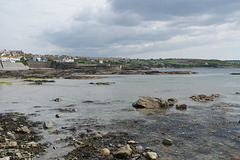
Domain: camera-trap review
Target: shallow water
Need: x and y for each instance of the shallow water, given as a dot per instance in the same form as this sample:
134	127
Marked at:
207	130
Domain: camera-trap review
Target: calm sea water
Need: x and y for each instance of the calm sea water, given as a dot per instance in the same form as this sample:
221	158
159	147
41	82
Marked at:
205	131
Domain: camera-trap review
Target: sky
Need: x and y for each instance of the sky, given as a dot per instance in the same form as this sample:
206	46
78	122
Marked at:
206	29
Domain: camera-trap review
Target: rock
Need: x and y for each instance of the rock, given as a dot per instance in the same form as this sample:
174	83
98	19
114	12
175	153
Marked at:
172	101
24	129
181	106
139	148
32	144
97	136
102	83
237	92
167	142
215	95
5	158
58	115
151	155
11	135
204	98
1	129
105	152
150	103
47	125
58	100
131	142
124	152
12	144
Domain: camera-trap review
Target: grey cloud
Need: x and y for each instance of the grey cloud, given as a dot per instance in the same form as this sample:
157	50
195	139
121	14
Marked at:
170	9
128	24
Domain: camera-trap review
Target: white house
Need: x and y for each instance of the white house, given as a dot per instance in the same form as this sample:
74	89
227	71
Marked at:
10	56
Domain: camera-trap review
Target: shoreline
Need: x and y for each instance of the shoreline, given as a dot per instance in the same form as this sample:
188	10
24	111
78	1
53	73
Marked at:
79	73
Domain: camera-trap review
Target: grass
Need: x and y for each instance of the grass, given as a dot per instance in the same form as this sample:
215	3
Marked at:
7	83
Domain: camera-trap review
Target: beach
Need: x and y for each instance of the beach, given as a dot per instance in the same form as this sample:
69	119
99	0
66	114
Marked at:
92	117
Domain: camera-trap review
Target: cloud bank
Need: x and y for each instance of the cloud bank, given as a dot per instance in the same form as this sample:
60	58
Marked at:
124	28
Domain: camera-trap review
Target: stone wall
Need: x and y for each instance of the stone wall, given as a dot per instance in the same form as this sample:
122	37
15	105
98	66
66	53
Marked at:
33	64
64	65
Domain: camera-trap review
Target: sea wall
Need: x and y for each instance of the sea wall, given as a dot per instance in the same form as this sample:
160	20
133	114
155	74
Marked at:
13	66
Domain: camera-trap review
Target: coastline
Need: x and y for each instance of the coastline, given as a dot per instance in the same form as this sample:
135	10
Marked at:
93	117
78	73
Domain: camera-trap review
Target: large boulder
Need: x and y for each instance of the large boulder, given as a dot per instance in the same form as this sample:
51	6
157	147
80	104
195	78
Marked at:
151	103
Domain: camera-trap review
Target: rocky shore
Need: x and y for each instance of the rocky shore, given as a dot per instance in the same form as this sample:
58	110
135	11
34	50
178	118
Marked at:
77	73
19	137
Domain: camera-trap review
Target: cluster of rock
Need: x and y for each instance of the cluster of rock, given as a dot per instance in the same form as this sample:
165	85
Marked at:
78	73
113	145
204	98
38	82
235	73
155	103
102	83
18	138
171	72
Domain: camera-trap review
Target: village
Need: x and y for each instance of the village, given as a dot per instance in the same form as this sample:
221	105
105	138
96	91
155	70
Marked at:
18	60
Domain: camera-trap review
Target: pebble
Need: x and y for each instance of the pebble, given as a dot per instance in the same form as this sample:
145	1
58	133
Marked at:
98	136
5	158
139	148
105	152
151	155
131	142
12	144
58	100
47	125
167	141
124	152
32	144
24	129
58	115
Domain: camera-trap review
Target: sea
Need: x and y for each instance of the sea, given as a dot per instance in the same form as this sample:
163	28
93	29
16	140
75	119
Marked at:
206	130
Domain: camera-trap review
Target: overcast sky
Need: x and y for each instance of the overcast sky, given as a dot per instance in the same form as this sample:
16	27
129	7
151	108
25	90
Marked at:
208	29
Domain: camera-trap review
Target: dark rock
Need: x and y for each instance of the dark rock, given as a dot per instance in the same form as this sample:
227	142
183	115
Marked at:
181	106
171	72
58	100
58	115
102	83
172	101
167	142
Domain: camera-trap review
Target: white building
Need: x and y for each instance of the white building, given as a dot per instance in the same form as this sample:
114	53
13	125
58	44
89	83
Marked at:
10	56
